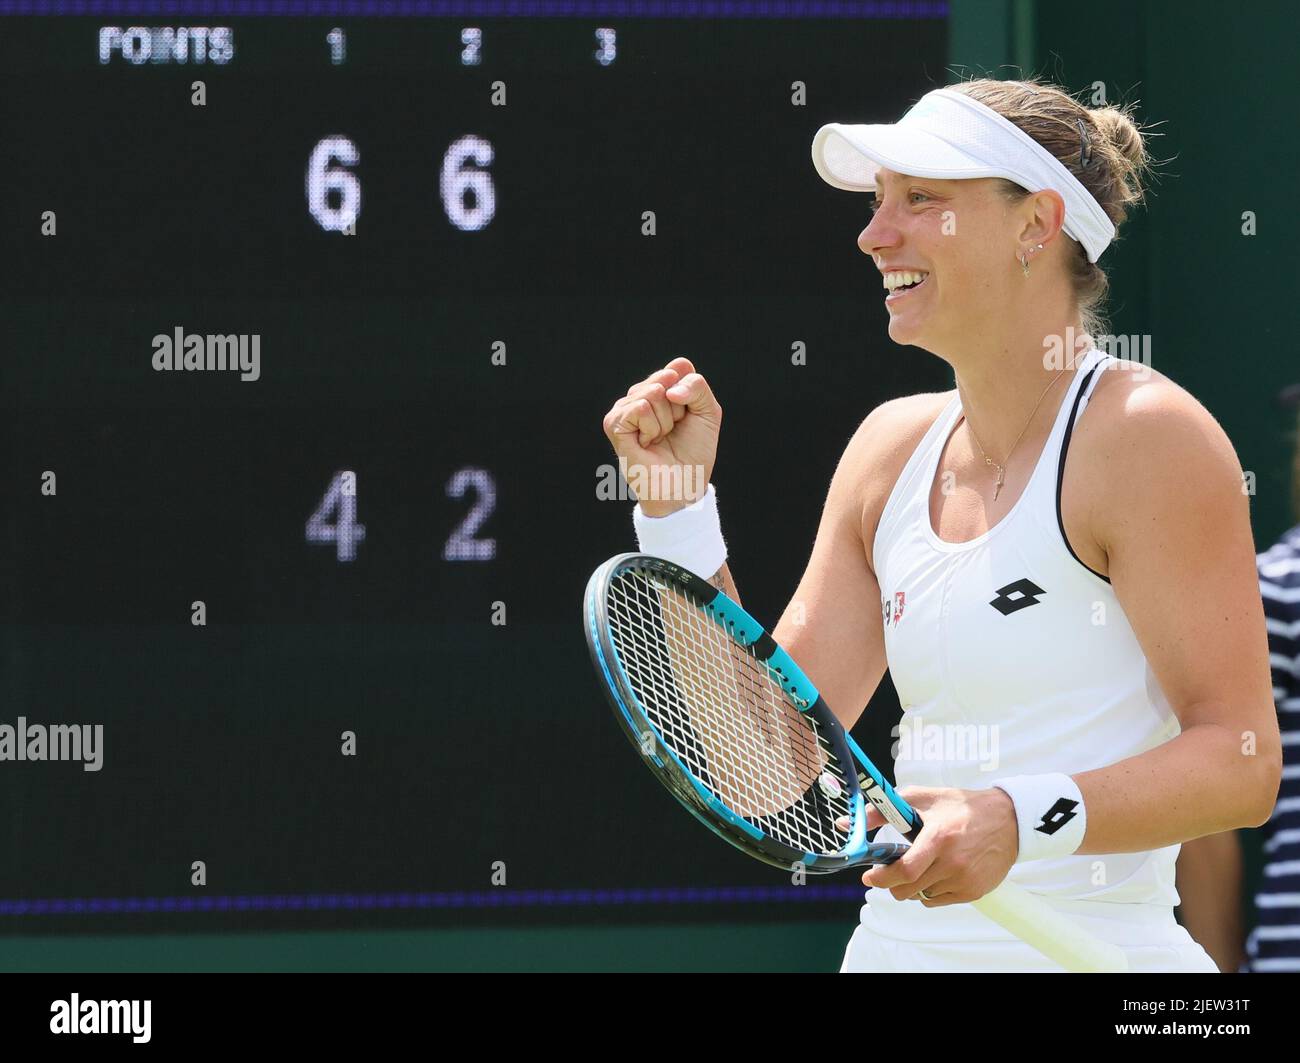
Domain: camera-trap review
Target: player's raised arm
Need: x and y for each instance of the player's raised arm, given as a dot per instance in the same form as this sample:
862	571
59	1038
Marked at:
832	625
664	432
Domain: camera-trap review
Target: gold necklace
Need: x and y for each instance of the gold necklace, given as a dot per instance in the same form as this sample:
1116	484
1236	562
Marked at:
989	461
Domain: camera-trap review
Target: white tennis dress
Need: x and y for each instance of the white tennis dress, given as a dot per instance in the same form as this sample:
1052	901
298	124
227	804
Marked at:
1011	657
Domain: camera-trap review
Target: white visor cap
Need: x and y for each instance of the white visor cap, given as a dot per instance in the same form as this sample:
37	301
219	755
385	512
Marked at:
950	136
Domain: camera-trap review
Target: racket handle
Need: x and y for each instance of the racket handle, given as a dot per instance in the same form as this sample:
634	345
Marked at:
1032	920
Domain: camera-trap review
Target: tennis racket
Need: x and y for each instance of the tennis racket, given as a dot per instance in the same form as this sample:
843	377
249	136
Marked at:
729	724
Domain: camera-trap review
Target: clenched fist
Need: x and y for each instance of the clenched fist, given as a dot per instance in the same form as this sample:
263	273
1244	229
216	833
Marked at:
665	433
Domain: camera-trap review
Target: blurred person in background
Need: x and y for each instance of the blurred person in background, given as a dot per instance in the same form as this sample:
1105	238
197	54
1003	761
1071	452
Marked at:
1210	876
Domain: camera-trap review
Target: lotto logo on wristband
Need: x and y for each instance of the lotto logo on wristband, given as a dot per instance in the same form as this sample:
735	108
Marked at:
1050	834
1058	816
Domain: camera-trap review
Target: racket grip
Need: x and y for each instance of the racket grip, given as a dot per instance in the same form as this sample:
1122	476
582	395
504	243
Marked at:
1032	920
915	830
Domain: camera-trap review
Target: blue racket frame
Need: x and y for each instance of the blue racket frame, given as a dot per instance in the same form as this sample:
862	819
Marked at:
678	778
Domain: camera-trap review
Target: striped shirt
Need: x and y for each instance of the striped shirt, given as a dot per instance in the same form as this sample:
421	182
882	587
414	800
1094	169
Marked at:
1274	943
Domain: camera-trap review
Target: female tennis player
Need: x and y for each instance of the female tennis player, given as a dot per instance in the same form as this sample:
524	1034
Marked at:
1054	560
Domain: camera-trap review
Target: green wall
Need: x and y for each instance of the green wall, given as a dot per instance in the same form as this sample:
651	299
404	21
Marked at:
735	947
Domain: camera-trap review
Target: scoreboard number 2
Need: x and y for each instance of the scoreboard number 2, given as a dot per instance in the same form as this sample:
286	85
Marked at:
462	546
335	519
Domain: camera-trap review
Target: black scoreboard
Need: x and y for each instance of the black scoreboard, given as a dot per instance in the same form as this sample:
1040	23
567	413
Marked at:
309	326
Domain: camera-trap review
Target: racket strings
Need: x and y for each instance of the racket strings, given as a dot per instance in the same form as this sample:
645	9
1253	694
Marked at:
663	678
725	716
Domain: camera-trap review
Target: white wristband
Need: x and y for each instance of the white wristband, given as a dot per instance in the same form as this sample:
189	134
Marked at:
1049	815
691	537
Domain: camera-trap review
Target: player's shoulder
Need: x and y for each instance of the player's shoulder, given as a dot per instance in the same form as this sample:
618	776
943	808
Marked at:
890	433
1141	395
881	447
1147	451
1147	421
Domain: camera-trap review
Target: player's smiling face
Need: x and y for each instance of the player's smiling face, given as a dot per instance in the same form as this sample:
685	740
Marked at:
945	252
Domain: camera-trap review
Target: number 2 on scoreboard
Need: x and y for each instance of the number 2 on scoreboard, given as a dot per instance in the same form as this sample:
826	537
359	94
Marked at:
340	504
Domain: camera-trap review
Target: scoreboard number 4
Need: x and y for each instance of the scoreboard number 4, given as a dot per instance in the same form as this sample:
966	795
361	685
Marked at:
335	519
340	501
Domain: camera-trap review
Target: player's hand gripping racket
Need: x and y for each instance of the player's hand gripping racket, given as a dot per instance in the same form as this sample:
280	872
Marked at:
727	721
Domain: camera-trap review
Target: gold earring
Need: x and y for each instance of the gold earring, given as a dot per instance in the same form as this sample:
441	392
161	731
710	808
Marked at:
1024	259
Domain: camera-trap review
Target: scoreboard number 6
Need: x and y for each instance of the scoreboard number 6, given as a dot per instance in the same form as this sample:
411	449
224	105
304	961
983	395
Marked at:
334	192
469	197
